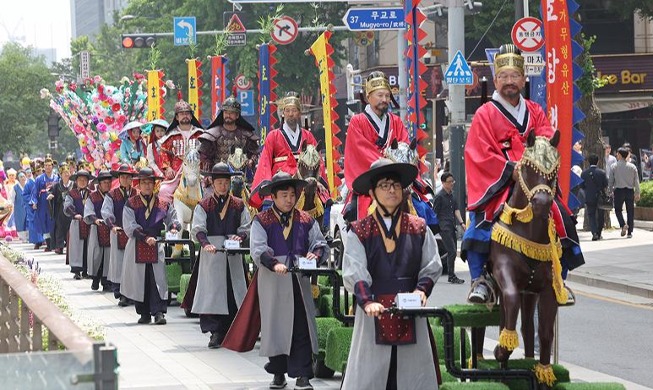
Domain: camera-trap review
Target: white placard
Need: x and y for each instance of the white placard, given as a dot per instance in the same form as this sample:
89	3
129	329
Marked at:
231	244
305	263
408	300
172	236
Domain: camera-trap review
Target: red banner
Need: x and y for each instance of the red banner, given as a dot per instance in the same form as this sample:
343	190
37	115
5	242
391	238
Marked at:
218	83
560	82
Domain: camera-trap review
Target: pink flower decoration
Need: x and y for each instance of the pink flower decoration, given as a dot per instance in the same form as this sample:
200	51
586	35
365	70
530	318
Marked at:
115	107
108	120
101	127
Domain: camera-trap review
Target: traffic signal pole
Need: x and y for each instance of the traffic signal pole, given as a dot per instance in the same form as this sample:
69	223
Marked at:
253	31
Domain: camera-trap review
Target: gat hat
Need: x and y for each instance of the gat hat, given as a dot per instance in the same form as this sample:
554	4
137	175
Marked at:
104	175
220	170
280	179
291	99
183	106
124	169
365	182
508	57
147	173
82	173
375	81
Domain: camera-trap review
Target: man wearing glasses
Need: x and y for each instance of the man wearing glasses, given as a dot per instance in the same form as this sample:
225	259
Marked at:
495	143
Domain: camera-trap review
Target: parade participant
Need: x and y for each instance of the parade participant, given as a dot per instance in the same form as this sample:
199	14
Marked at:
282	147
34	237
389	252
153	154
144	268
495	143
73	207
227	131
112	209
20	215
10	223
183	128
43	221
133	147
368	135
57	197
99	239
221	284
71	162
279	236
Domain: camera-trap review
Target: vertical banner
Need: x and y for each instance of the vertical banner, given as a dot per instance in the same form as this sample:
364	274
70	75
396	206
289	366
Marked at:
154	96
561	92
322	50
194	84
266	88
219	83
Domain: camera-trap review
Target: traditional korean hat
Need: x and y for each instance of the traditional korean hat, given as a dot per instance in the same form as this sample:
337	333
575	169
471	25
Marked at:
124	133
82	173
183	106
220	170
383	166
159	122
124	169
103	175
375	81
280	179
508	57
291	99
147	173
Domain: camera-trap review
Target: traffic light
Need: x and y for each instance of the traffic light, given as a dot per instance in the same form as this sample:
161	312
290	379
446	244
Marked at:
138	41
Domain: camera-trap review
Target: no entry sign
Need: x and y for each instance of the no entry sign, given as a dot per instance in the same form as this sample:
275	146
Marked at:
527	34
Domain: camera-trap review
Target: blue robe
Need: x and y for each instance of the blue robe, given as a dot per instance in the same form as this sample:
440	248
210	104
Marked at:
34	236
20	216
43	221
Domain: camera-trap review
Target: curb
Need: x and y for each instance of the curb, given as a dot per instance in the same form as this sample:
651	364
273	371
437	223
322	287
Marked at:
614	285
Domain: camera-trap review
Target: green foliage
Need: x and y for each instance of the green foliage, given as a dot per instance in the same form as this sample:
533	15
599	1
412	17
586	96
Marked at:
473	386
561	373
588	82
646	194
337	348
589	386
499	32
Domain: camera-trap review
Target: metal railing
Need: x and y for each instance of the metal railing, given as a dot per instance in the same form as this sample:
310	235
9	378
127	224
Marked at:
30	323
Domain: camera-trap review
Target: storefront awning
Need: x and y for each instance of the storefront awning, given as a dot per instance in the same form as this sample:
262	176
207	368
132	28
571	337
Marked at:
611	104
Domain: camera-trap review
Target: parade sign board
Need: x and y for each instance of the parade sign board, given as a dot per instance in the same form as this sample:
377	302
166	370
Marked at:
364	19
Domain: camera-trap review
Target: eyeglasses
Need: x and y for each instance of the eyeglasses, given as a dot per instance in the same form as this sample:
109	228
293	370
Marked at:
385	186
511	77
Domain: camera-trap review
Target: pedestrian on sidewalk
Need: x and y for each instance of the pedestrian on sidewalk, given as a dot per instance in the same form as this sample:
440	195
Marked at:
144	217
73	207
99	236
112	209
624	184
280	236
389	252
221	284
448	215
594	181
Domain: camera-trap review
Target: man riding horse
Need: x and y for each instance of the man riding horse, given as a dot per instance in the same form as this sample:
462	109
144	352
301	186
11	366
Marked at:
495	143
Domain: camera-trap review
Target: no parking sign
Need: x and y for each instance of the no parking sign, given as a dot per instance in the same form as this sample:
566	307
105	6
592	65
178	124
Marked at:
527	34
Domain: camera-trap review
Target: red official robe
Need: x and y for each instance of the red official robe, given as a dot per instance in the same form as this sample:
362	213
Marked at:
363	146
173	148
277	155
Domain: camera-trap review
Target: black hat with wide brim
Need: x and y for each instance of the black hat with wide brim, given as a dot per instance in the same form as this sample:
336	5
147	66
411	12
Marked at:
406	172
103	175
280	179
220	170
147	173
124	169
82	173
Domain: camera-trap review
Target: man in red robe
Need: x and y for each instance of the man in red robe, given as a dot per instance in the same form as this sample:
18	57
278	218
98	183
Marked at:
282	148
368	135
174	144
496	141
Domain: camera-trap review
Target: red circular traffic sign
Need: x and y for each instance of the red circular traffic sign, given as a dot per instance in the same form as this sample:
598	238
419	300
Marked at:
242	82
284	30
527	34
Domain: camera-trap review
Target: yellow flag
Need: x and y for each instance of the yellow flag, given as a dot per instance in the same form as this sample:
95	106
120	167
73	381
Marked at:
153	95
193	87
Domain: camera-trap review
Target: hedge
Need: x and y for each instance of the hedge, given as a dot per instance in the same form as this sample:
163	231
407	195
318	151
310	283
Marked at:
561	373
646	194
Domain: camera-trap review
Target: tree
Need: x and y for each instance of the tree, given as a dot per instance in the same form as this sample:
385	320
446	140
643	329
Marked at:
23	112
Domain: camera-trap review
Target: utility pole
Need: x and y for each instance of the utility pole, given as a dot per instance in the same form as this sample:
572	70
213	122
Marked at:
402	73
456	102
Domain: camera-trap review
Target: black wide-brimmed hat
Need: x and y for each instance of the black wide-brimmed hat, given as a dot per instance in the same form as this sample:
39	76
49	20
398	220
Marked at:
220	170
406	172
280	179
147	173
82	173
124	169
103	175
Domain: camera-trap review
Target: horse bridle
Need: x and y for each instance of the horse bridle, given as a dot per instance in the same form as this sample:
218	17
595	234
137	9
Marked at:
550	175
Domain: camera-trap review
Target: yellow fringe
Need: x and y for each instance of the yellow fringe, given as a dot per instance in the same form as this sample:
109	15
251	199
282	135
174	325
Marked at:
524	215
544	374
316	211
556	267
508	339
315	290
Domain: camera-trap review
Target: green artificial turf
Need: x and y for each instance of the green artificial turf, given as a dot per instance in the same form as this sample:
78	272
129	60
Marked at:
173	275
589	386
561	373
438	334
337	348
473	386
473	316
183	287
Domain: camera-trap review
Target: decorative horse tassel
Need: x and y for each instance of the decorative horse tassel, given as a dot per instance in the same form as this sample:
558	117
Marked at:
524	215
544	374
508	339
556	267
316	211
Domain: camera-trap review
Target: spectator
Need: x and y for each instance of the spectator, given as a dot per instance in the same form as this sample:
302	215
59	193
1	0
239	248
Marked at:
594	180
448	213
624	183
609	159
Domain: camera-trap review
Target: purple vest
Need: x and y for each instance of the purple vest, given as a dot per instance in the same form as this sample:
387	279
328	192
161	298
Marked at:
118	204
297	242
155	223
222	227
78	201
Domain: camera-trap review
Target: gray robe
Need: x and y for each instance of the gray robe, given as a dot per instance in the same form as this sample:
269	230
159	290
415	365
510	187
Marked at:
211	291
96	254
133	274
116	255
275	294
368	362
75	244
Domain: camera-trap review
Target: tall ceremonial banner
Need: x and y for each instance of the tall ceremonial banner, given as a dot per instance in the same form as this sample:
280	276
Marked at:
416	68
266	89
219	82
561	92
155	101
194	85
322	50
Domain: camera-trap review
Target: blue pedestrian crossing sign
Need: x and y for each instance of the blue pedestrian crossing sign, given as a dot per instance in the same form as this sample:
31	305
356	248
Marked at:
185	31
246	100
459	71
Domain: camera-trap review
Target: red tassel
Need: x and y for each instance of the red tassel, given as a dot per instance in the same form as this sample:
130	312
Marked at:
179	96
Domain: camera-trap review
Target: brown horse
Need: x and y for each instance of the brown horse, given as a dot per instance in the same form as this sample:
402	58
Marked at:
525	256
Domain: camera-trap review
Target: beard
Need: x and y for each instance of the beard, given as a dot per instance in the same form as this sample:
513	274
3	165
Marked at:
510	91
382	108
292	122
229	121
184	121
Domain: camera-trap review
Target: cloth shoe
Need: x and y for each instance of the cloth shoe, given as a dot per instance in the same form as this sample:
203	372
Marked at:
95	285
624	230
453	279
216	340
106	288
278	382
303	383
595	237
124	301
479	294
145	319
77	276
160	319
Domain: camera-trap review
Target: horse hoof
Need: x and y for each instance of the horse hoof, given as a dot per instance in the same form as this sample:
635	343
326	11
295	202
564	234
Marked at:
501	354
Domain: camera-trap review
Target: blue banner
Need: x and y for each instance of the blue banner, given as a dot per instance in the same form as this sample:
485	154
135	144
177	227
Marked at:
264	90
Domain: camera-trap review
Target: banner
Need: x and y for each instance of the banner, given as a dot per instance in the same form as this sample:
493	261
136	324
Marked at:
219	82
154	95
322	50
194	84
266	88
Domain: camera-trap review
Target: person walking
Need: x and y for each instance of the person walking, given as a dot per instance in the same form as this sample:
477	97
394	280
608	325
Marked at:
624	184
595	180
448	215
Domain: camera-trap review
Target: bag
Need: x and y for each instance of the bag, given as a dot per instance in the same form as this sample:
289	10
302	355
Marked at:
605	200
146	254
122	239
